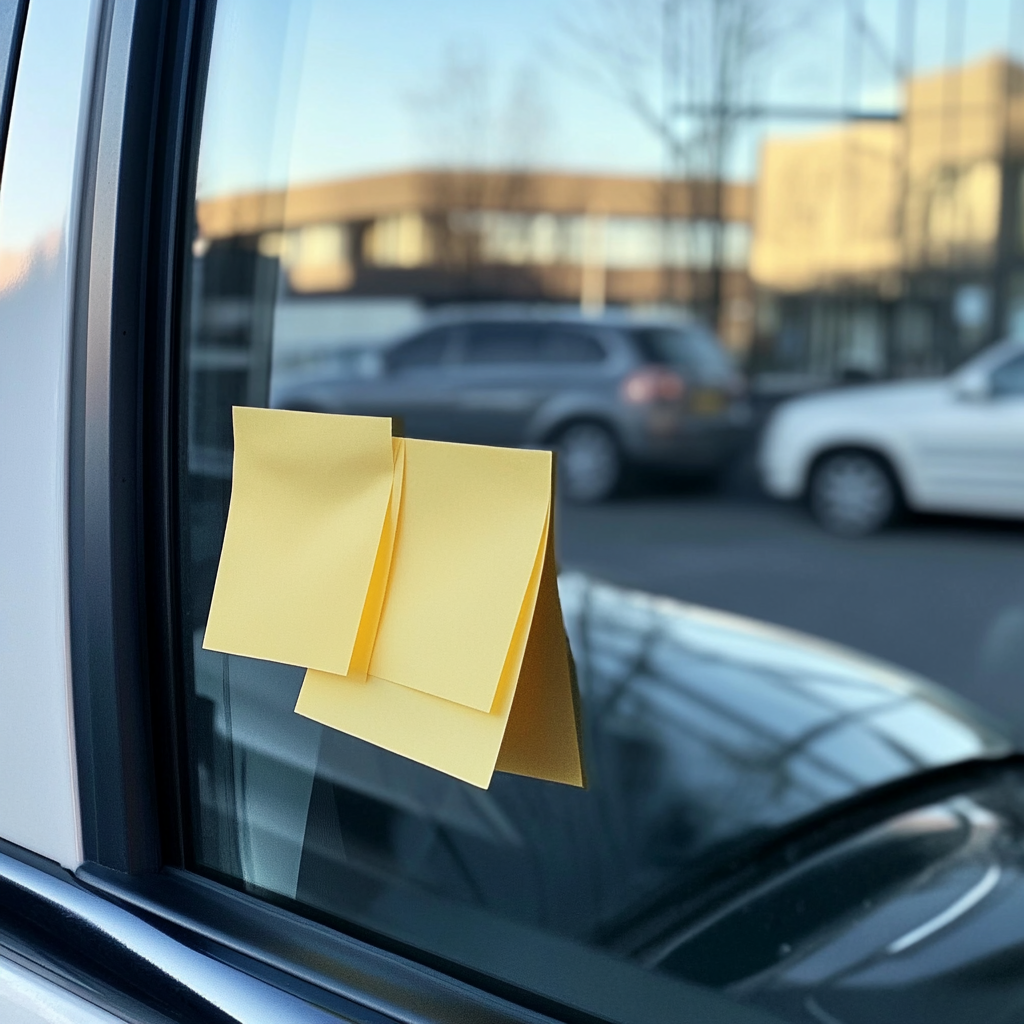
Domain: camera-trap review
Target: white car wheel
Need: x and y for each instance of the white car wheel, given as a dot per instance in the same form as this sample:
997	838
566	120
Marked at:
852	494
589	463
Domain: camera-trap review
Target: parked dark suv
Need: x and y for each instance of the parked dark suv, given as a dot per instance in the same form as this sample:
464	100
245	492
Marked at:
609	394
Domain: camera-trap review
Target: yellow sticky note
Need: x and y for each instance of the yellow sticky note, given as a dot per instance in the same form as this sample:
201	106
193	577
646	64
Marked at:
420	592
370	621
309	497
471	524
542	737
443	734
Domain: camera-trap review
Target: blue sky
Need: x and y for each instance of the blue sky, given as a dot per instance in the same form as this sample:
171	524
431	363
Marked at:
328	88
321	88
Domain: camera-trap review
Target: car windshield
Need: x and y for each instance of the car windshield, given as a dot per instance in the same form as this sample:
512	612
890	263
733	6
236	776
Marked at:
706	271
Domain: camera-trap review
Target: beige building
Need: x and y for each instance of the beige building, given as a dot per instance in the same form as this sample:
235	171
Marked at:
917	218
884	247
441	236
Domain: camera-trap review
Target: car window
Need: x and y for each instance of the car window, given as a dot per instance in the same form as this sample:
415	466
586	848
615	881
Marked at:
538	345
508	185
1008	380
691	350
499	344
428	351
562	345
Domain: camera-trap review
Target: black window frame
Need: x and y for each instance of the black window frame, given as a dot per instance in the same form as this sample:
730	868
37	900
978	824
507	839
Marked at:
126	407
12	30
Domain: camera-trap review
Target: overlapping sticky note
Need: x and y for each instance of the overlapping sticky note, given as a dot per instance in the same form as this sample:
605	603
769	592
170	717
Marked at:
414	580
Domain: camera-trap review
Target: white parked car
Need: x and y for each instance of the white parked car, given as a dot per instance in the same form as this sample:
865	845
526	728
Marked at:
859	455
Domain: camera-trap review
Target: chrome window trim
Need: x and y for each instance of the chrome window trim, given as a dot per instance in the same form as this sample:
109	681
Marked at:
94	937
297	950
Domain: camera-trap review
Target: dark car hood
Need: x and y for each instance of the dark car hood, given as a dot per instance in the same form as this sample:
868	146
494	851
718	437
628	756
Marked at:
706	739
896	906
724	756
762	726
919	919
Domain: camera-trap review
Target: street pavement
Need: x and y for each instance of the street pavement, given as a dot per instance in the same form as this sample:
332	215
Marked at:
939	596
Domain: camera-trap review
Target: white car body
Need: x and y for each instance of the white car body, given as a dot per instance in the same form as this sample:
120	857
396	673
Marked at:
952	445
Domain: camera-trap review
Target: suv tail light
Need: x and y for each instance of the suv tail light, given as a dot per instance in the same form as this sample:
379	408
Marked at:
653	384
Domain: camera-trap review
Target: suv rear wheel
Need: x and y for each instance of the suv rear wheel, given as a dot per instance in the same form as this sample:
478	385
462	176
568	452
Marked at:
852	494
589	463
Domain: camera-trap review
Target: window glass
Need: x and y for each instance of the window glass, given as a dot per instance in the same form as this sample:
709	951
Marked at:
424	352
589	190
1009	378
567	346
501	344
688	349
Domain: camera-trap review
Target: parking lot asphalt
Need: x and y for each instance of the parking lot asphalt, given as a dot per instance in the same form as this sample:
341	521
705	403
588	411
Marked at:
939	596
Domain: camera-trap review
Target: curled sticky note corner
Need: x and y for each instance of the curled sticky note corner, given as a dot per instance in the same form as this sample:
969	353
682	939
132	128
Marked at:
452	649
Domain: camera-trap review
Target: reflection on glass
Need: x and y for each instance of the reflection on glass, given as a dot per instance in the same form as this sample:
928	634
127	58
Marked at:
636	234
